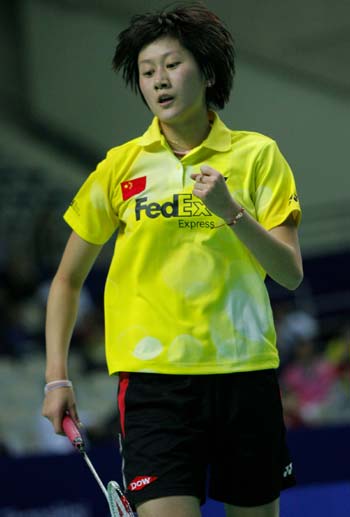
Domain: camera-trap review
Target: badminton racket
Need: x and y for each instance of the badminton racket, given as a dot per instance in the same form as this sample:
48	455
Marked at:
118	504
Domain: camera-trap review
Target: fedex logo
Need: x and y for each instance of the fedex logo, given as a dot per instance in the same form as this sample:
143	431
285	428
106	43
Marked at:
182	205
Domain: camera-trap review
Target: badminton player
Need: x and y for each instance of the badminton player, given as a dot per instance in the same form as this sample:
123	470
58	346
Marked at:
204	212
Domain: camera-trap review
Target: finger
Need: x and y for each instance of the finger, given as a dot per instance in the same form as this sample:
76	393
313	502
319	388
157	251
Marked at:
57	423
199	179
199	191
74	414
206	170
200	187
196	176
198	194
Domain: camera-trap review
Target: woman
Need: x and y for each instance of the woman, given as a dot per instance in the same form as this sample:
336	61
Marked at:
203	214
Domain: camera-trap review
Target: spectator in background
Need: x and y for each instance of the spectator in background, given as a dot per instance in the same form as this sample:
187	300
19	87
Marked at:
337	409
292	325
337	351
21	317
306	384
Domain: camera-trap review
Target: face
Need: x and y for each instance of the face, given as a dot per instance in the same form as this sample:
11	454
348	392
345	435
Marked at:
171	81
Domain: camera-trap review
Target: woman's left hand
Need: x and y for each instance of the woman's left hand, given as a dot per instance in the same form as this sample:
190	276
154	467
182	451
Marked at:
210	186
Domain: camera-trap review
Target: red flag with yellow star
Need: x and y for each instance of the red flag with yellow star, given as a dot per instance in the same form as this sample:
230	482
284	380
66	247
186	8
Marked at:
132	187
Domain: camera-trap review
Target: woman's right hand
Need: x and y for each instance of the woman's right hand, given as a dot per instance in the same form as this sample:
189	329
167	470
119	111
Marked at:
56	404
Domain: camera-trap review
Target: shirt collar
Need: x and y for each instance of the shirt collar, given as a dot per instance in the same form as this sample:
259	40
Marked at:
219	138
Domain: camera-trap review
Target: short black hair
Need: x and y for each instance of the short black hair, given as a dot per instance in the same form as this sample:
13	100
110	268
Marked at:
198	30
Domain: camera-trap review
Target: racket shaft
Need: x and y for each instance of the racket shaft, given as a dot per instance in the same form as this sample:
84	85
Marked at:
96	476
116	499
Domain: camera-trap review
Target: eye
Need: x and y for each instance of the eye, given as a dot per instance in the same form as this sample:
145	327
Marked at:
147	73
173	65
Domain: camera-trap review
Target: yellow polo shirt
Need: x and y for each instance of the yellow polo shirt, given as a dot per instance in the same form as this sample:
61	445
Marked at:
181	296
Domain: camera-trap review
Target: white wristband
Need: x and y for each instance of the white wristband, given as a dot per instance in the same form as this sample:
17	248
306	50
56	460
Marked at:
54	385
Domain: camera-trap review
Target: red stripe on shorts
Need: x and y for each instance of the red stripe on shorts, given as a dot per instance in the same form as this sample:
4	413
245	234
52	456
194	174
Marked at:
123	386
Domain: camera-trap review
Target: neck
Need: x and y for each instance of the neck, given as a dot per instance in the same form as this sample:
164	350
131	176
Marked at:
184	137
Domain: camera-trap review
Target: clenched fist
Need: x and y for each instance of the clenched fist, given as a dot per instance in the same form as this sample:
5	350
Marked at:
210	186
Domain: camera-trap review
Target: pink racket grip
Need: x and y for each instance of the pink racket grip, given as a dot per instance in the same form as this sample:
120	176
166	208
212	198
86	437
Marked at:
73	433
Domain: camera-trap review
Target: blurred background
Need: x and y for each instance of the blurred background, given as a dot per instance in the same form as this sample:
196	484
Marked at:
61	109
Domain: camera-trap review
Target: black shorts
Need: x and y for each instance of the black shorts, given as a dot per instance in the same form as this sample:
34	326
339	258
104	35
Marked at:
183	434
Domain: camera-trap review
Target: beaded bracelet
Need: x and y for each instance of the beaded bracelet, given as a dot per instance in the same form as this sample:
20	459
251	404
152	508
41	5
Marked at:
235	220
53	385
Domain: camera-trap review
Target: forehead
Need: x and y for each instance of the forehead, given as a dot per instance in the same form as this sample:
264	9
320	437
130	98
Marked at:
160	48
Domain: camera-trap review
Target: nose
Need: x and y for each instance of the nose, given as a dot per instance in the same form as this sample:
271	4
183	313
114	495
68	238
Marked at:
161	80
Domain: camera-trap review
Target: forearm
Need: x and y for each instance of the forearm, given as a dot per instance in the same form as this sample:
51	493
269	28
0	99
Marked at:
61	316
280	260
277	250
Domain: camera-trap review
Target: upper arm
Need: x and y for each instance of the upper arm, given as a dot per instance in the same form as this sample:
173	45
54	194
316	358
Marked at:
77	260
287	232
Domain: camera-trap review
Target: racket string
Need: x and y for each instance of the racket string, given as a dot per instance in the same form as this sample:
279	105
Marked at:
118	501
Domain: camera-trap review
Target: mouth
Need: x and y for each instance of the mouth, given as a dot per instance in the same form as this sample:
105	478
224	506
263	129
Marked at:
165	100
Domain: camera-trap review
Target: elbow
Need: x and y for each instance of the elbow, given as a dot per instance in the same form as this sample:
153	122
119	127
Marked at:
294	281
295	274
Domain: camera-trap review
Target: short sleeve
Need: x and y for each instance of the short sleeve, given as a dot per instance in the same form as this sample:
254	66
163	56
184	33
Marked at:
91	214
275	191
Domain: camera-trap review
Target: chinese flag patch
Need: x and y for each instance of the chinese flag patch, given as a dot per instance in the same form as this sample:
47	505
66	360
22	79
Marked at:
132	187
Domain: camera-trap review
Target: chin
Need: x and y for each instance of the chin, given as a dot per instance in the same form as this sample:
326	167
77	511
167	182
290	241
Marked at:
170	117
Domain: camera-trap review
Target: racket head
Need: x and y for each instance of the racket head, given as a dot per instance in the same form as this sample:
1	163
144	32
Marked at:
118	503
